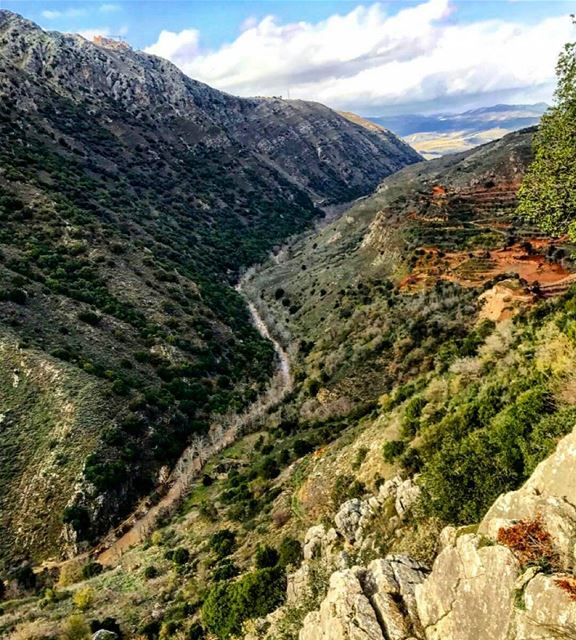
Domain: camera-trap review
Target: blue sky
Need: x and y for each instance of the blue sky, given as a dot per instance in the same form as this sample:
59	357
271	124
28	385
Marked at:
412	55
140	21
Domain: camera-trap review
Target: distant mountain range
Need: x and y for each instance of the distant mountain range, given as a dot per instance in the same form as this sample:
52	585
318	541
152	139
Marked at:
439	134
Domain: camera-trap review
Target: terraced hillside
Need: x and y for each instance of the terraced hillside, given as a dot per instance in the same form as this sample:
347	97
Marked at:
130	199
403	268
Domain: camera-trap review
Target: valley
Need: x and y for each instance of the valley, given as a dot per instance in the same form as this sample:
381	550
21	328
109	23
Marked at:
268	374
139	526
130	202
447	330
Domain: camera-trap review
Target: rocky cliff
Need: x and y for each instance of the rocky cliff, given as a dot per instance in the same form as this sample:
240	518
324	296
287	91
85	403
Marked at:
510	578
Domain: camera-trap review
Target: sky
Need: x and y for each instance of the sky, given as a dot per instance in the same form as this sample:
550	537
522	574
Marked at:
408	56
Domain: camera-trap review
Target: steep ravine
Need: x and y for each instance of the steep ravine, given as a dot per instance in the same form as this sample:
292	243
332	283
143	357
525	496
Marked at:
223	432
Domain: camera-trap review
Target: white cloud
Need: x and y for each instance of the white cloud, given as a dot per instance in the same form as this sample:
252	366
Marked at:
53	14
367	60
181	48
109	8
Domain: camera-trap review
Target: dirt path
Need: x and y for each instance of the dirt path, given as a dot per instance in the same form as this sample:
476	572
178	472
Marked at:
223	432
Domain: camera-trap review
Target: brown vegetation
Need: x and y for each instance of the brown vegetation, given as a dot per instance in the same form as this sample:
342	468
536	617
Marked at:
530	543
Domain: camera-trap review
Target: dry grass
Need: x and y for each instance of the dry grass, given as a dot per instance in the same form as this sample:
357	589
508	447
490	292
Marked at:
568	585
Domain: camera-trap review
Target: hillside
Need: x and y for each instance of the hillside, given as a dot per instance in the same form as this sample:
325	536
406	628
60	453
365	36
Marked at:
402	270
131	197
227	416
346	507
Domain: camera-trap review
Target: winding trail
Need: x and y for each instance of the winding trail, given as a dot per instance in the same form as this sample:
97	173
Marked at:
222	433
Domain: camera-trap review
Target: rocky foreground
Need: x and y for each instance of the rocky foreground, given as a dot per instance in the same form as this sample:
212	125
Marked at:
506	578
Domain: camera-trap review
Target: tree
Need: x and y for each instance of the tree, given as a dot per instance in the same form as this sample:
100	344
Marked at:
547	196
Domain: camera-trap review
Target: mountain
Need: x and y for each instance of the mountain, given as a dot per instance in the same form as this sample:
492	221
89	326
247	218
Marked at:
438	134
348	508
131	197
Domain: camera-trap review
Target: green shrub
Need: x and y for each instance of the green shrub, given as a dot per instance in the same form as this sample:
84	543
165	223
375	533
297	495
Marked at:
393	449
412	413
289	552
92	569
266	557
302	447
89	317
345	488
151	572
269	468
18	296
229	604
223	542
181	556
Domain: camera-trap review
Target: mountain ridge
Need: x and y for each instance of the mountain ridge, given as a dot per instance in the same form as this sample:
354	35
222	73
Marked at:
131	198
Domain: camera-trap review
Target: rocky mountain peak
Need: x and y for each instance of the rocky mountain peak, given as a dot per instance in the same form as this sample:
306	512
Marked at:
333	158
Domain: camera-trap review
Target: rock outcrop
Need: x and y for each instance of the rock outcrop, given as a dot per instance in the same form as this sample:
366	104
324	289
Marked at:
550	493
393	501
373	603
478	586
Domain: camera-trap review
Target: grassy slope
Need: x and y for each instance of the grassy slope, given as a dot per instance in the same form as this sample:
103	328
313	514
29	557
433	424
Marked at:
497	398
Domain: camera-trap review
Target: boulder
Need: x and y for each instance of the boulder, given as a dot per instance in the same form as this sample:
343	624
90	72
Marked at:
546	610
352	518
319	542
389	488
345	613
407	493
390	585
373	603
313	542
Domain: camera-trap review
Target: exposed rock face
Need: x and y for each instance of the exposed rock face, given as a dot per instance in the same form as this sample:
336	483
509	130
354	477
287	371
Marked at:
355	516
551	493
478	589
470	589
369	604
352	518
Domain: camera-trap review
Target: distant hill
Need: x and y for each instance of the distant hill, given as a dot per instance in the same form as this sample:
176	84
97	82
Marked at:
438	134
